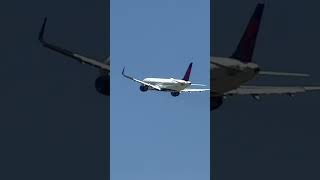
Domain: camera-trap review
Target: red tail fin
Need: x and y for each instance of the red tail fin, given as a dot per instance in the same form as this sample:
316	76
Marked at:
188	72
246	45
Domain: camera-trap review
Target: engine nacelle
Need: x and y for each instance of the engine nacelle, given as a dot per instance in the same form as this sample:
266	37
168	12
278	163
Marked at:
174	94
144	88
215	102
102	85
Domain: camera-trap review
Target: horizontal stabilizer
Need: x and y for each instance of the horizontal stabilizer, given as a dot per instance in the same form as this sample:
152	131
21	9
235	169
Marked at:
198	85
283	74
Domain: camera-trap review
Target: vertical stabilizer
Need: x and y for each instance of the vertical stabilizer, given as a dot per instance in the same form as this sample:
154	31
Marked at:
247	43
188	72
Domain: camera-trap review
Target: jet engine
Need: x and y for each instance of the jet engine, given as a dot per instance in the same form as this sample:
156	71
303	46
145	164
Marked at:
215	102
175	93
102	85
143	88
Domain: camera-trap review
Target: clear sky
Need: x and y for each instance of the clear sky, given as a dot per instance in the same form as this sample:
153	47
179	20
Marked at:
154	135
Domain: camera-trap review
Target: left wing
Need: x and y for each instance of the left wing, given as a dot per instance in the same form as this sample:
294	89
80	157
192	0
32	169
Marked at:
82	59
270	90
139	81
194	90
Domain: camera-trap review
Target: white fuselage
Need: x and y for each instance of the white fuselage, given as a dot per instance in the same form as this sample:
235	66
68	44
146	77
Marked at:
230	74
168	84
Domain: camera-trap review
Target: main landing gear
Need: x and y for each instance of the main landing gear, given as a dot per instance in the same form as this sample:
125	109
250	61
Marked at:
175	94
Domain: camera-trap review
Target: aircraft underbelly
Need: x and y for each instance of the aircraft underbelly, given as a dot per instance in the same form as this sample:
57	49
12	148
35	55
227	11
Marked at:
168	85
173	87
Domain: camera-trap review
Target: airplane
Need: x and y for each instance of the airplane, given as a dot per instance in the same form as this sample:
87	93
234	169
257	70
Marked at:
174	86
102	83
229	75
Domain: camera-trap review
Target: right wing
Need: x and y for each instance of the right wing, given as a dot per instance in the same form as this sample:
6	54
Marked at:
139	81
81	59
194	90
271	90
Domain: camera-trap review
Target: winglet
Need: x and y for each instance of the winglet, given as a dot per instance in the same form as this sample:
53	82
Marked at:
42	30
187	74
123	71
123	74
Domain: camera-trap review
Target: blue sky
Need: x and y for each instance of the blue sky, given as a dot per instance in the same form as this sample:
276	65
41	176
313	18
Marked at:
154	135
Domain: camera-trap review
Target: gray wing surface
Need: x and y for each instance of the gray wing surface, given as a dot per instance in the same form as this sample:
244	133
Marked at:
194	90
80	58
139	81
271	90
